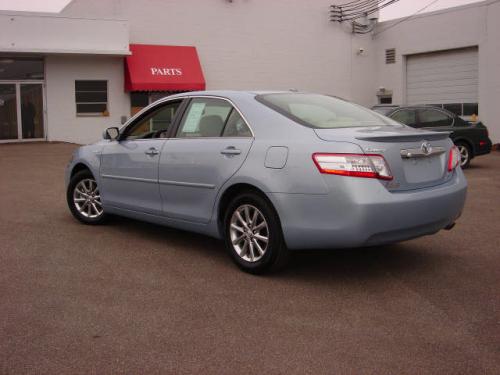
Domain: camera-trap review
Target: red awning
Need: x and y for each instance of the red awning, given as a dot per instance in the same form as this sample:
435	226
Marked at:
163	68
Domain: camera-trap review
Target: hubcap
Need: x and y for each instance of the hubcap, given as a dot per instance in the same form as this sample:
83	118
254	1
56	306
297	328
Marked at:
464	155
249	233
87	199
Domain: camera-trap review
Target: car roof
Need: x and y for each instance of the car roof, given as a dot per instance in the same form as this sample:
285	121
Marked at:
229	93
243	93
423	106
386	106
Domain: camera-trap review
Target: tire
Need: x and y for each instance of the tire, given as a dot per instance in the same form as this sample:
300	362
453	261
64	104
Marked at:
84	200
252	252
465	154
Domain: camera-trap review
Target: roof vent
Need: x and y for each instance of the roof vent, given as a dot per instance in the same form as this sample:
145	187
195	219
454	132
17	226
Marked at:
390	56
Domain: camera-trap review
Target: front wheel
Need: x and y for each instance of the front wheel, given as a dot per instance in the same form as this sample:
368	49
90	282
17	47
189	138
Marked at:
84	199
253	234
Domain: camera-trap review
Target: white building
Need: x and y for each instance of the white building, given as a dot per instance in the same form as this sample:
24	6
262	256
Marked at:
68	76
449	57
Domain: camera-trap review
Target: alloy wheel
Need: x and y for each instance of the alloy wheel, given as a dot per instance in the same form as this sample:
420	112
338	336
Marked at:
464	154
249	233
87	199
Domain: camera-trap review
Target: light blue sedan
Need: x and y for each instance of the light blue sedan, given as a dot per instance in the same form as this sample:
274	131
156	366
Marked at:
270	172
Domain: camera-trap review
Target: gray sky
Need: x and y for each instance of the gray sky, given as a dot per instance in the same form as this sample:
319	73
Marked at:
53	6
400	9
405	8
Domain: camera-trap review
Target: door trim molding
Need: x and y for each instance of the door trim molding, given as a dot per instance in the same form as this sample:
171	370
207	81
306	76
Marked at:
137	179
188	184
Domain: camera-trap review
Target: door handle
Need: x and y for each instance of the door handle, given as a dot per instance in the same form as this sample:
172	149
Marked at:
231	150
152	151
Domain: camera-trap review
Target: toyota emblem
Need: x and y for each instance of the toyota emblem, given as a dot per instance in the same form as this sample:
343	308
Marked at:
426	148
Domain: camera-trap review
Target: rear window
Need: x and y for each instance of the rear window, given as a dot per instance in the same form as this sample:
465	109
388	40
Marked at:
383	110
323	112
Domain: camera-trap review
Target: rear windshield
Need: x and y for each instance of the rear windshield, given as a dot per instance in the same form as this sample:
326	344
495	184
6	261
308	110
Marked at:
323	112
383	110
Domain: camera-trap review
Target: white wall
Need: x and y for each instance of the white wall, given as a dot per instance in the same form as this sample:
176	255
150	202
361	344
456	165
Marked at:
61	73
489	71
248	44
262	44
25	32
471	25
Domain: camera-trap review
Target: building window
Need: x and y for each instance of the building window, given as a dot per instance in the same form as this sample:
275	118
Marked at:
385	99
21	68
390	56
91	98
460	109
138	101
471	109
455	108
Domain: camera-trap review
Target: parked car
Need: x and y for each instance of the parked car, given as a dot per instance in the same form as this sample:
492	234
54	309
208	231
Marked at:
471	138
270	172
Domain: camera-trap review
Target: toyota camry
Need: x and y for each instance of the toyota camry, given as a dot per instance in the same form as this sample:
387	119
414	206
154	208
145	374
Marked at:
270	172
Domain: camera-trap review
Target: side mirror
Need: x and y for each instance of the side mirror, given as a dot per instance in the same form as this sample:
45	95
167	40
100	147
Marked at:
111	133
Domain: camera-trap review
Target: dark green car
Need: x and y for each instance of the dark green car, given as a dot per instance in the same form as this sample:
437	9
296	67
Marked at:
471	138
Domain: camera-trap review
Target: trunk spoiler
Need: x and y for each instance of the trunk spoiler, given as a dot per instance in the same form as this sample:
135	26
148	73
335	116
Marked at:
411	137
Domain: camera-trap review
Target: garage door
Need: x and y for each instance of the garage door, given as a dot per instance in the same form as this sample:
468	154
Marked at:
447	78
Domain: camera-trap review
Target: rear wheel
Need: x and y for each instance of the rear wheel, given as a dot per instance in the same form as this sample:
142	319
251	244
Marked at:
465	154
84	199
253	234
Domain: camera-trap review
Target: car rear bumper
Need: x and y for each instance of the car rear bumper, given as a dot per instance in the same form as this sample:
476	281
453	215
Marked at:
362	212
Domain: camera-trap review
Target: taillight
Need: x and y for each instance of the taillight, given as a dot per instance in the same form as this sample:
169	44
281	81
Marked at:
453	158
355	165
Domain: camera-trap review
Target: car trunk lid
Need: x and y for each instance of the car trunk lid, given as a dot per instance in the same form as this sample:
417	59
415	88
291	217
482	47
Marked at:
417	159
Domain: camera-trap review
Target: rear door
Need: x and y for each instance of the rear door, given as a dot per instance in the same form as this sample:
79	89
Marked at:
210	145
129	166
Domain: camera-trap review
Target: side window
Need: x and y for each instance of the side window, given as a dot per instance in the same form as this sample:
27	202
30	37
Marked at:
155	124
406	117
205	117
236	126
430	118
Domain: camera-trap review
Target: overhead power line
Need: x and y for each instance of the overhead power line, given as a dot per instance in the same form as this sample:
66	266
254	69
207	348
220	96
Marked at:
406	18
357	9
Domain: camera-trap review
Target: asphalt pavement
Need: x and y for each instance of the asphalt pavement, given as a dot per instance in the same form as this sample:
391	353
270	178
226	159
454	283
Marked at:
136	298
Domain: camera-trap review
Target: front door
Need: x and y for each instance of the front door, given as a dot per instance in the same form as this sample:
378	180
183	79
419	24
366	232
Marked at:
211	143
31	103
21	111
21	99
8	112
129	165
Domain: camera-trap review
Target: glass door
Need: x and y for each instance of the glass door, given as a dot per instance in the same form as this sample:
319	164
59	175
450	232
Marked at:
32	110
21	98
8	112
21	111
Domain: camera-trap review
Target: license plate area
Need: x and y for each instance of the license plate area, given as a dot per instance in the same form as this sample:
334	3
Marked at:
423	169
